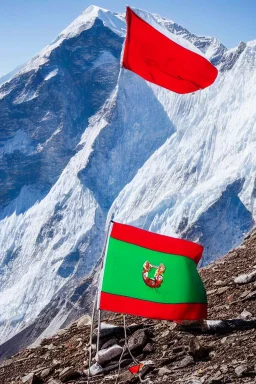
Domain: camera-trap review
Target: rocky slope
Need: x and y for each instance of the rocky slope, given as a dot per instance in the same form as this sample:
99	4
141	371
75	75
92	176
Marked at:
221	351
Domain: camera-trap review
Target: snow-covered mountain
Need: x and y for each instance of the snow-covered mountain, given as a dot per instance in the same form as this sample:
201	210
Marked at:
81	141
9	75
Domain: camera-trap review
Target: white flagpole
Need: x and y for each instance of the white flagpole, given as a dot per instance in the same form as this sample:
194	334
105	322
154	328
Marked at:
96	300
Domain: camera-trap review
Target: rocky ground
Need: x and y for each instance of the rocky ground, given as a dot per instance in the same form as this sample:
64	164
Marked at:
219	351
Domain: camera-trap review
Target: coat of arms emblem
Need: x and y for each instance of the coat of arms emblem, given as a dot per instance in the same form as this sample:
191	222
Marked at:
157	279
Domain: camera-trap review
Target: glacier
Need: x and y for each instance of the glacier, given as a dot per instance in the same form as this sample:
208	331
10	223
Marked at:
82	141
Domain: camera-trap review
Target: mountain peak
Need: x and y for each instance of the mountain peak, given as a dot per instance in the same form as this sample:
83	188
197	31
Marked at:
87	18
114	21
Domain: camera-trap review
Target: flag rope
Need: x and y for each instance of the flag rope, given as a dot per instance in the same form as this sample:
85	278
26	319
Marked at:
128	348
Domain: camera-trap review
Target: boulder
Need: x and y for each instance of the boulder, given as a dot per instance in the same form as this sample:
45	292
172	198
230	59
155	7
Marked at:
108	354
84	320
138	340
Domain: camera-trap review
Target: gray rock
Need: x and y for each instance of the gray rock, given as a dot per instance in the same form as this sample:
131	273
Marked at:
188	360
219	283
241	370
68	374
106	355
221	290
54	381
31	378
246	314
224	368
138	340
56	363
49	347
84	320
95	369
148	348
126	377
165	334
109	343
251	296
163	371
46	372
246	278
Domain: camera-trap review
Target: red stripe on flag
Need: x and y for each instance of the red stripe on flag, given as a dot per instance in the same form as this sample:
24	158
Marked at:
149	309
160	60
156	242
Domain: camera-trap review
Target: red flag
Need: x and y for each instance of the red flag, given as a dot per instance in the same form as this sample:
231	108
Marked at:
136	368
162	61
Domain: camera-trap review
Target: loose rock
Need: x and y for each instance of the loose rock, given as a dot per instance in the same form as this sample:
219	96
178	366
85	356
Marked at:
241	370
246	314
163	371
188	360
46	372
138	340
84	320
31	378
106	355
148	348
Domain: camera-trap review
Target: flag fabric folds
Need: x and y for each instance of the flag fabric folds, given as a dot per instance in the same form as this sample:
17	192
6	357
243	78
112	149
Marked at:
162	61
151	275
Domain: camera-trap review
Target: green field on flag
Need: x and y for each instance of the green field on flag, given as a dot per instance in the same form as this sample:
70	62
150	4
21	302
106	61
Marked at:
123	275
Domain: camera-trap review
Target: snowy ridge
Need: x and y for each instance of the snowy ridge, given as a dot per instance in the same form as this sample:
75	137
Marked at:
212	48
85	21
80	143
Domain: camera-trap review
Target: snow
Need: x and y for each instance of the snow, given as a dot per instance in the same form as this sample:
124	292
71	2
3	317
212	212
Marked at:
86	20
51	74
25	287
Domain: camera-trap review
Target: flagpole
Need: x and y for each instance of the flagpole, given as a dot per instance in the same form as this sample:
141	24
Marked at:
91	333
96	300
98	333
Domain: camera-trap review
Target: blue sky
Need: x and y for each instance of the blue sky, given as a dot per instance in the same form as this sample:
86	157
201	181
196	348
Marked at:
26	26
